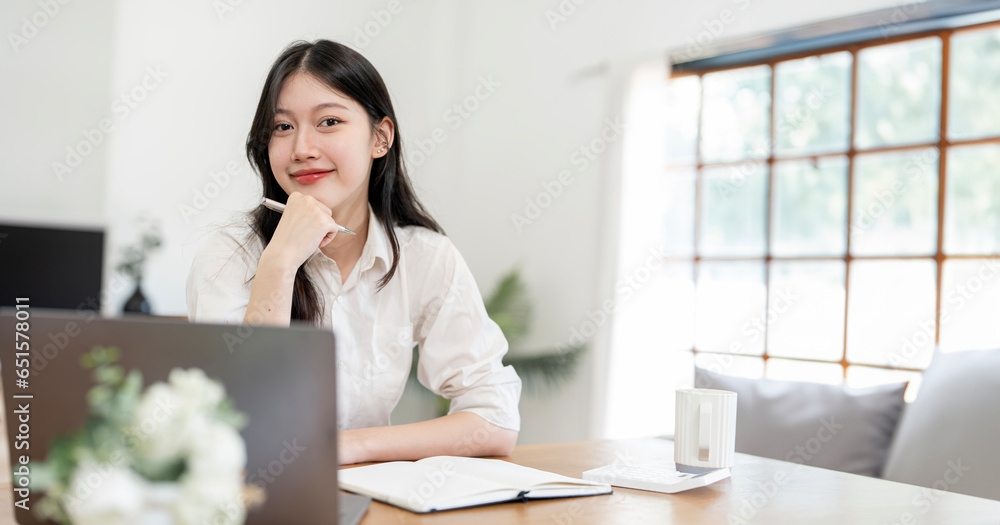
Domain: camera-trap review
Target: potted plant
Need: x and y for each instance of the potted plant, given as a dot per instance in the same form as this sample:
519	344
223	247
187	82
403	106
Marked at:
134	257
511	309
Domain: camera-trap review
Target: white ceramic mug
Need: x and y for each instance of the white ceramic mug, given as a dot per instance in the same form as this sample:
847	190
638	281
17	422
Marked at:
705	430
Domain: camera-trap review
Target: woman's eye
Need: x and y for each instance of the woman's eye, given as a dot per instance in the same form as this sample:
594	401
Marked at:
282	127
330	121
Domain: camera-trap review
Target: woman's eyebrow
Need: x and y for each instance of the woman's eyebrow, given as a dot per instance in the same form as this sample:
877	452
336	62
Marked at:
279	111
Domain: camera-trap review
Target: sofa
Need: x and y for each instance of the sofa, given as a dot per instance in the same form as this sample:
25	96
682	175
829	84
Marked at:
948	438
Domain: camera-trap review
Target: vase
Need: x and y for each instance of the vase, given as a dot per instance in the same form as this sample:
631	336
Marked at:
138	304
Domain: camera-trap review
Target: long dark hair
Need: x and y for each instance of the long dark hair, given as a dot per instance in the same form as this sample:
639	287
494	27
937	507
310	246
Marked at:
389	191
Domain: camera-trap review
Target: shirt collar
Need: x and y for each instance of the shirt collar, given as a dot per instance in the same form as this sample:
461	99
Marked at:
377	245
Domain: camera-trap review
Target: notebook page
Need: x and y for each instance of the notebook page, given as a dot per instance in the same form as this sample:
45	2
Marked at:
509	474
422	488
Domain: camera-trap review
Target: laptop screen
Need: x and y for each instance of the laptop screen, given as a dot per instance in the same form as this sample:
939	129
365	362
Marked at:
281	380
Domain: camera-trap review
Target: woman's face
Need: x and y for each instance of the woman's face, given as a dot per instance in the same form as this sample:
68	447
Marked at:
322	144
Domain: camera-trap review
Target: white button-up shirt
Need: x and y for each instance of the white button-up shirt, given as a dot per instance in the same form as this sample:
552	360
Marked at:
432	300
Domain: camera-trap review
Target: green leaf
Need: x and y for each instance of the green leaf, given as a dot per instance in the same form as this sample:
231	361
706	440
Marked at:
552	368
228	414
509	306
170	470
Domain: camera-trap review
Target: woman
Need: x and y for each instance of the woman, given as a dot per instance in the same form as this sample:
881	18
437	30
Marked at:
326	142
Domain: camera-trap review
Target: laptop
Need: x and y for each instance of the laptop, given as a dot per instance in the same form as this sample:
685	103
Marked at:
282	379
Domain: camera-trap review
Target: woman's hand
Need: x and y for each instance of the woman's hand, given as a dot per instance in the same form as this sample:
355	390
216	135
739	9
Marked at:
305	225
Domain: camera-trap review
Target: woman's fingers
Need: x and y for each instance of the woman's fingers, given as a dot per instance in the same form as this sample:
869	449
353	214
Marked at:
328	239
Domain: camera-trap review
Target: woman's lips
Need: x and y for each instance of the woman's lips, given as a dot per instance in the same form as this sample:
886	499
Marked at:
311	177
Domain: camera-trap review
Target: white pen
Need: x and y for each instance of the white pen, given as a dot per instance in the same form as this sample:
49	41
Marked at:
279	207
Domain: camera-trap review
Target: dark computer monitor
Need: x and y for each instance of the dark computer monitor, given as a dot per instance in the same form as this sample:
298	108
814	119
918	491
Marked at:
53	267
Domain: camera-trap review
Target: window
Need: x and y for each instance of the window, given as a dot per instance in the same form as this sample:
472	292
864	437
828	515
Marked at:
827	217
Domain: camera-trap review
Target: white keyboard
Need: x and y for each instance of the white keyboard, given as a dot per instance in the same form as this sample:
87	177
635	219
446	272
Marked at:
657	480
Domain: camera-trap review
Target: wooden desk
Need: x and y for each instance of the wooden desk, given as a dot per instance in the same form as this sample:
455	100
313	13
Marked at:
762	491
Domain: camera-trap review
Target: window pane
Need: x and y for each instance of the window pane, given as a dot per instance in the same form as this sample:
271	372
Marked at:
972	210
813	104
895	203
810	206
735	122
730	365
899	93
730	296
805	313
890	315
867	376
683	99
792	370
734	210
974	100
970	304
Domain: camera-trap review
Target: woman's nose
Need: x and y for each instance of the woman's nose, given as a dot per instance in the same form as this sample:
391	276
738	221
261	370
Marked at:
304	147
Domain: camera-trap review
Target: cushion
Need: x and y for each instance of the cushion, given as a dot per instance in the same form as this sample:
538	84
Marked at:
835	427
949	437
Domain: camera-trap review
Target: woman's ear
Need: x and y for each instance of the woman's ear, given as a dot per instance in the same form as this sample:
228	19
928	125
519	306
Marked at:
385	133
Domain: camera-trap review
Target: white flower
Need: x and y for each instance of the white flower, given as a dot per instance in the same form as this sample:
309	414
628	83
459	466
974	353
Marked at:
102	494
198	393
217	450
211	498
170	416
212	486
158	425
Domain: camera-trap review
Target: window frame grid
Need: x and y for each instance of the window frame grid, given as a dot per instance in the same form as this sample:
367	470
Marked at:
943	145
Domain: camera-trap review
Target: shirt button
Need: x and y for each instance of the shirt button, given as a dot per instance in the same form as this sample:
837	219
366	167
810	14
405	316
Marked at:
340	298
341	365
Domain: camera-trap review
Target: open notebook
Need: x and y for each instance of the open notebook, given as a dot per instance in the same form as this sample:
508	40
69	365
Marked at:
448	482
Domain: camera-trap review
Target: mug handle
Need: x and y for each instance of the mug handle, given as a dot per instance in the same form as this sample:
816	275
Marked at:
704	431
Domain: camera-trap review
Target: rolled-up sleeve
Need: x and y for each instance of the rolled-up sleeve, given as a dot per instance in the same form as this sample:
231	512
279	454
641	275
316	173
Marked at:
218	283
461	348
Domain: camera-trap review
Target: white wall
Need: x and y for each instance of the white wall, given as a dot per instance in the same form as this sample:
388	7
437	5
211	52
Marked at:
553	97
57	79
